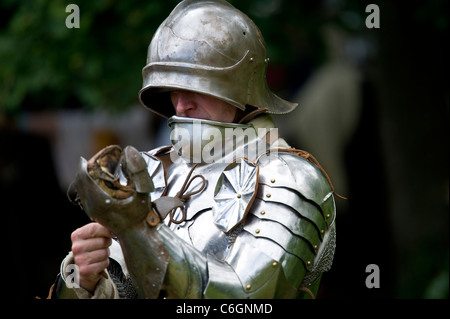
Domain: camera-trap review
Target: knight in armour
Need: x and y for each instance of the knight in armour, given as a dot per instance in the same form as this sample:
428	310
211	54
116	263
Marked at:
229	210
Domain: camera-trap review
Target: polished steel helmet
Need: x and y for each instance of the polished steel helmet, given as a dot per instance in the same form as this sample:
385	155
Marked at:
210	47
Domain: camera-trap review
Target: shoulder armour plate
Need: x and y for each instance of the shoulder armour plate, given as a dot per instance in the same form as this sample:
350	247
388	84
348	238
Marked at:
287	170
295	209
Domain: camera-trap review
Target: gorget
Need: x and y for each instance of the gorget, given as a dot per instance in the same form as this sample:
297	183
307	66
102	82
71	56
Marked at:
206	141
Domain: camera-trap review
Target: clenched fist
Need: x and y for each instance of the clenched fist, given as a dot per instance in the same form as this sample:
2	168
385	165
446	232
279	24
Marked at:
90	248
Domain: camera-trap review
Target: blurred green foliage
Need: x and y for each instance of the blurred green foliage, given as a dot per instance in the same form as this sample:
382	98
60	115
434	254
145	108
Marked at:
45	65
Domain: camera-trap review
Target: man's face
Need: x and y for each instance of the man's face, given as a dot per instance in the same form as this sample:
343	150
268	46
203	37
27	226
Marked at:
201	106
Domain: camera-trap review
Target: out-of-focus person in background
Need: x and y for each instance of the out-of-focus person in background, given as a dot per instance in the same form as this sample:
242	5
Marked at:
330	108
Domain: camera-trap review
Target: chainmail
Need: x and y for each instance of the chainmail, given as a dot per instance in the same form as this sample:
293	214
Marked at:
234	233
324	260
124	284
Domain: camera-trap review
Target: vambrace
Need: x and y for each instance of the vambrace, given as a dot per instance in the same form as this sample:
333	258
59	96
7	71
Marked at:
186	271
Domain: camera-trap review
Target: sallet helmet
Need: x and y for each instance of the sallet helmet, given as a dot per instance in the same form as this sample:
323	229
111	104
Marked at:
208	47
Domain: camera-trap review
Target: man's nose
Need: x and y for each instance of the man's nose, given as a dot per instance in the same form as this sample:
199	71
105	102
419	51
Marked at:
184	102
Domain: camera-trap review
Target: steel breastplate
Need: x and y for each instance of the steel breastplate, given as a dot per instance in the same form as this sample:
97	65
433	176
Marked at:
199	228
